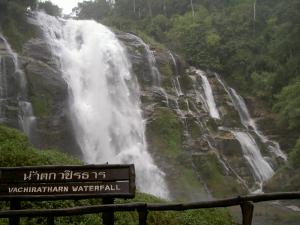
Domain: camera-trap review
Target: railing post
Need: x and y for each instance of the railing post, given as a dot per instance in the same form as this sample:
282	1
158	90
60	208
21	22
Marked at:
108	217
50	220
143	213
247	211
14	205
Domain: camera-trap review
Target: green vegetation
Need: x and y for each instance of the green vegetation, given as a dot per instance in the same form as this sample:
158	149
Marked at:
165	132
13	22
286	179
212	172
15	150
42	106
49	8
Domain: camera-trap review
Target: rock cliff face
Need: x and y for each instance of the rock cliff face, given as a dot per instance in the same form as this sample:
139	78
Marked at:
48	94
199	151
9	86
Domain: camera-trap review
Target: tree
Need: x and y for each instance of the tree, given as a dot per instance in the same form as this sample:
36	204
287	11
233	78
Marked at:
96	10
50	8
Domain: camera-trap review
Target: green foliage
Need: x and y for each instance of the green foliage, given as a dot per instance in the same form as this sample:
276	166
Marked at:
288	105
13	22
166	70
212	172
42	105
165	131
149	40
294	156
49	8
96	10
286	179
15	150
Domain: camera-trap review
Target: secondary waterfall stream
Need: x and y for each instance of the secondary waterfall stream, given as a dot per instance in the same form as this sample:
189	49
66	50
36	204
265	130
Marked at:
104	97
10	71
248	122
209	98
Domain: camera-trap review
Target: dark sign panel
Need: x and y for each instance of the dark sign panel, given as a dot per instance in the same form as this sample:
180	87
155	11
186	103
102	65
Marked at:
94	180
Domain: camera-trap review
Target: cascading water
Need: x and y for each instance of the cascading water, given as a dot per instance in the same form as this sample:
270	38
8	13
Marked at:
247	121
156	76
239	104
209	98
177	86
175	80
104	97
251	152
174	63
26	119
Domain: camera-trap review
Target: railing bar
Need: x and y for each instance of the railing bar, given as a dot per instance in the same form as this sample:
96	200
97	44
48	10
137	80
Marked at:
271	196
71	211
195	205
254	198
151	207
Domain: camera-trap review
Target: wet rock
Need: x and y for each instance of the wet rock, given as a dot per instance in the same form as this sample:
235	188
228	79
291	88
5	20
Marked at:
48	93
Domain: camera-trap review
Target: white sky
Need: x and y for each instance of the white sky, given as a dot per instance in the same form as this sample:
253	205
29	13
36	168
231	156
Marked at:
66	5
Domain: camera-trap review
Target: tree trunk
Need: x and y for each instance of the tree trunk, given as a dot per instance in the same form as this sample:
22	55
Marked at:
149	8
254	10
165	8
192	6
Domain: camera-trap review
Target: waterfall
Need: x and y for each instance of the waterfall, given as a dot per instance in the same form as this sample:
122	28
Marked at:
104	97
247	121
155	74
3	89
174	62
26	119
177	87
209	98
240	105
260	167
175	80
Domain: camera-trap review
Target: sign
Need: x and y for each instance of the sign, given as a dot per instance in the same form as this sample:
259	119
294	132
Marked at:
72	181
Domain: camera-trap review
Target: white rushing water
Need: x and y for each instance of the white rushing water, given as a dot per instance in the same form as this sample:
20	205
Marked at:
209	98
262	170
240	105
156	76
104	98
26	117
247	121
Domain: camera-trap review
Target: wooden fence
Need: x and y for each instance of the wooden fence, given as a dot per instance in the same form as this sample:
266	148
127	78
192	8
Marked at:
245	202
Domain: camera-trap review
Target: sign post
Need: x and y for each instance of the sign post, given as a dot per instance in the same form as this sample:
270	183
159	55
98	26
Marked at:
67	182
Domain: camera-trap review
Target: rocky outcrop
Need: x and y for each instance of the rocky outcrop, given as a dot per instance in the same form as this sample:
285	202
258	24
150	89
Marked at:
48	94
9	86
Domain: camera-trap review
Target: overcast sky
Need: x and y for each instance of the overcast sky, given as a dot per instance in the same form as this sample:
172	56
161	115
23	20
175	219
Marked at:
66	5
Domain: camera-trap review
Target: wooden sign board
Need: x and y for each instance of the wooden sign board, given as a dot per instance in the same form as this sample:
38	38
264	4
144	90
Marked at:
68	181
